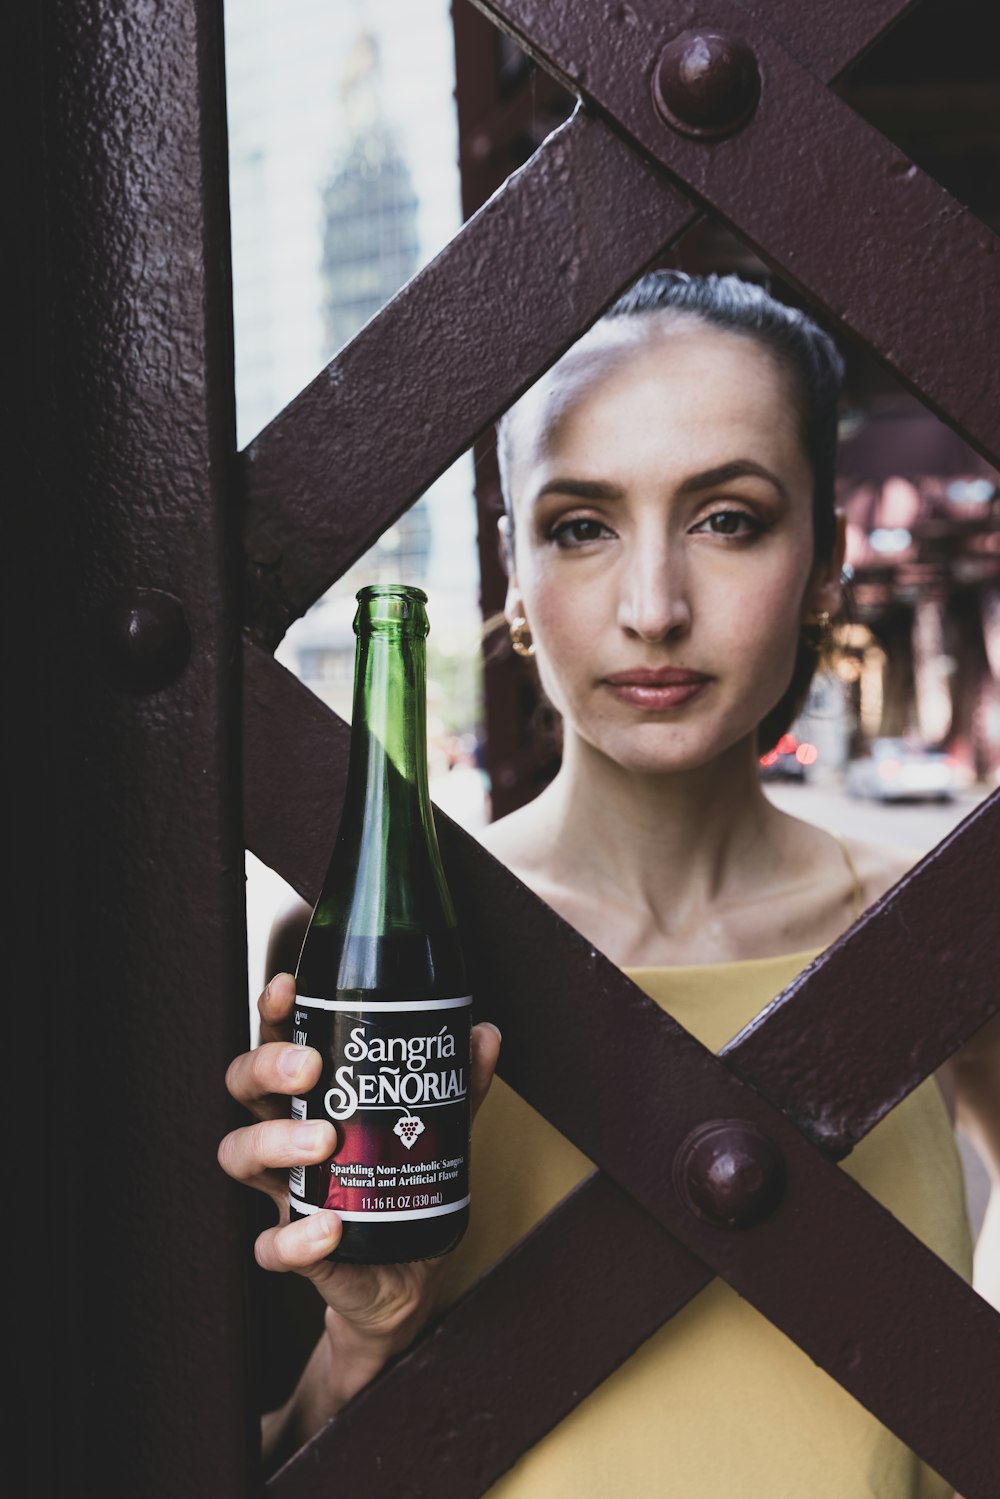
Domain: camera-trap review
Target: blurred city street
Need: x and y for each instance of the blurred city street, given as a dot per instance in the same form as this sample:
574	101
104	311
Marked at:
916	826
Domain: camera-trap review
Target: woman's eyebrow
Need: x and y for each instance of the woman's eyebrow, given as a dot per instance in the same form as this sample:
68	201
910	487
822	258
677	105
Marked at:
583	489
599	489
739	468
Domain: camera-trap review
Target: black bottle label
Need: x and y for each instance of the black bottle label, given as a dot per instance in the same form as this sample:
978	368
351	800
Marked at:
396	1087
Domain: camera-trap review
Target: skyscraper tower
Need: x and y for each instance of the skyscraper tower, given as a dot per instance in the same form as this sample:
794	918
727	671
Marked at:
370	248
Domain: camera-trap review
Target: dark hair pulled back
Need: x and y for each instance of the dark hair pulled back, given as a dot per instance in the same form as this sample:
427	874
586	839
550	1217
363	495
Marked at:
816	368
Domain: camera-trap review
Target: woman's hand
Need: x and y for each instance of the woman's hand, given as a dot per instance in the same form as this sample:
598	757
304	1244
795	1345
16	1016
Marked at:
373	1311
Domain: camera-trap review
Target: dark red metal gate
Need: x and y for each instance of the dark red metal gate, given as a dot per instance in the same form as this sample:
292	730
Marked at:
606	213
130	295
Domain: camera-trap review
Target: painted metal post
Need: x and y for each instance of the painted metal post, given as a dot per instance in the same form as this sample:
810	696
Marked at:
134	929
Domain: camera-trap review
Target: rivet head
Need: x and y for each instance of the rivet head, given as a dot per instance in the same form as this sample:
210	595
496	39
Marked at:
730	1173
706	83
145	640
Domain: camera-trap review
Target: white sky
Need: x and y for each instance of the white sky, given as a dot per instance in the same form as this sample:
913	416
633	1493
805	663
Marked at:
284	60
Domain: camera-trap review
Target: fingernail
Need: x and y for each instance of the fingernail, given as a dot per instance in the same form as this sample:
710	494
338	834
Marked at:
281	975
312	1136
322	1227
494	1028
292	1061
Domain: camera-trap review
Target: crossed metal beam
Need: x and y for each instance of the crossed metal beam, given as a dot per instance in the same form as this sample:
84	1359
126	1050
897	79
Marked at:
504	300
463	340
832	1268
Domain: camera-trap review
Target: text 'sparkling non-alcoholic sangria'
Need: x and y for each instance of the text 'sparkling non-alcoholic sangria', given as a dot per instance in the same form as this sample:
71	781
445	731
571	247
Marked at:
380	983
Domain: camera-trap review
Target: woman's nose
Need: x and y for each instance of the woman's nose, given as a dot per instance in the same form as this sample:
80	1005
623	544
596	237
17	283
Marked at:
654	602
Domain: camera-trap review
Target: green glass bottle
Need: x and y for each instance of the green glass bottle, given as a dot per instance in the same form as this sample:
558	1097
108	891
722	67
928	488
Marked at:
381	982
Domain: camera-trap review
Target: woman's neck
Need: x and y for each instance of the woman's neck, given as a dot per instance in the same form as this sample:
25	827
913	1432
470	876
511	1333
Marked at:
691	867
678	840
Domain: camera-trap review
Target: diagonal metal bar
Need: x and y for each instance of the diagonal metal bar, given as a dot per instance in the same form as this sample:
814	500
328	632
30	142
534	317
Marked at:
580	1293
439	363
341	462
893	225
545	1308
334	469
841	1057
826	36
573	1021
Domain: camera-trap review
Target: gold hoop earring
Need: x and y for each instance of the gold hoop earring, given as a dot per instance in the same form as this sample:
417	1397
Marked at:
818	633
519	636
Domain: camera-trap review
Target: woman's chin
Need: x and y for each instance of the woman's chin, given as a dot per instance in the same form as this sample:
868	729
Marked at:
655	750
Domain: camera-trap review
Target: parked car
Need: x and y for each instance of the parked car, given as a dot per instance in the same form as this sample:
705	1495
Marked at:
789	760
903	770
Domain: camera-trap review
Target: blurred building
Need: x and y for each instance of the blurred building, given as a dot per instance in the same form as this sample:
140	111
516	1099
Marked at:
370	242
922	650
370	249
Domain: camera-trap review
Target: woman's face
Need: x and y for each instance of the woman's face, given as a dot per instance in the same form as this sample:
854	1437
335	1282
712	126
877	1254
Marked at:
663	531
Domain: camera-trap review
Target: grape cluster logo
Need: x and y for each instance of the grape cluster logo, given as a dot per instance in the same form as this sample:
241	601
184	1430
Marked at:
408	1128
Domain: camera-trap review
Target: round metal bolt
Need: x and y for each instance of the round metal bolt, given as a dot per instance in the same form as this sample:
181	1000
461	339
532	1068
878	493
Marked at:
706	83
730	1173
145	640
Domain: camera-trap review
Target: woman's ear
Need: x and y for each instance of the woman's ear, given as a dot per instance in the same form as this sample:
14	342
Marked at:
827	593
513	606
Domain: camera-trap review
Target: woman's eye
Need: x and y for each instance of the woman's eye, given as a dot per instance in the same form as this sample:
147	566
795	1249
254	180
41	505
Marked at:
578	532
729	523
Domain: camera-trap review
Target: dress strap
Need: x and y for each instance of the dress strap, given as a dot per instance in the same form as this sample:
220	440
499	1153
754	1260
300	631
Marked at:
854	875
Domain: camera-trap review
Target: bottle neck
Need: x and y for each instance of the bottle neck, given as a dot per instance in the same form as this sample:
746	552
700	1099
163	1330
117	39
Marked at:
389	720
386	876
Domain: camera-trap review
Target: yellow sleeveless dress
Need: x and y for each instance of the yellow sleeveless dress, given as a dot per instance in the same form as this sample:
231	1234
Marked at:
718	1404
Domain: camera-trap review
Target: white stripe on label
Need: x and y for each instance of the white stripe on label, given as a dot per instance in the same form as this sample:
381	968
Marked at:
354	1005
394	1108
310	1207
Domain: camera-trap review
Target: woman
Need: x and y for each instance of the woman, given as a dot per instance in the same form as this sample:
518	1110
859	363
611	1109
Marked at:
674	559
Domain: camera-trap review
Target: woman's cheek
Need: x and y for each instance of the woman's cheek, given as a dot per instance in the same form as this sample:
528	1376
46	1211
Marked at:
774	638
554	661
560	621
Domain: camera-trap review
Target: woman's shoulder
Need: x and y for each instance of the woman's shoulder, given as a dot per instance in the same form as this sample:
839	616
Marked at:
517	840
877	867
828	889
525	841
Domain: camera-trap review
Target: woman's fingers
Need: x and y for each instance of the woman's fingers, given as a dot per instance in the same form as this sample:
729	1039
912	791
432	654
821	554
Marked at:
378	1298
299	1246
275	1007
383	1306
262	1080
384	1301
259	1155
485	1052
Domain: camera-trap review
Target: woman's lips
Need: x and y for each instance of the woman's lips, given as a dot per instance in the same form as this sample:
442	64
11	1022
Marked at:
656	688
